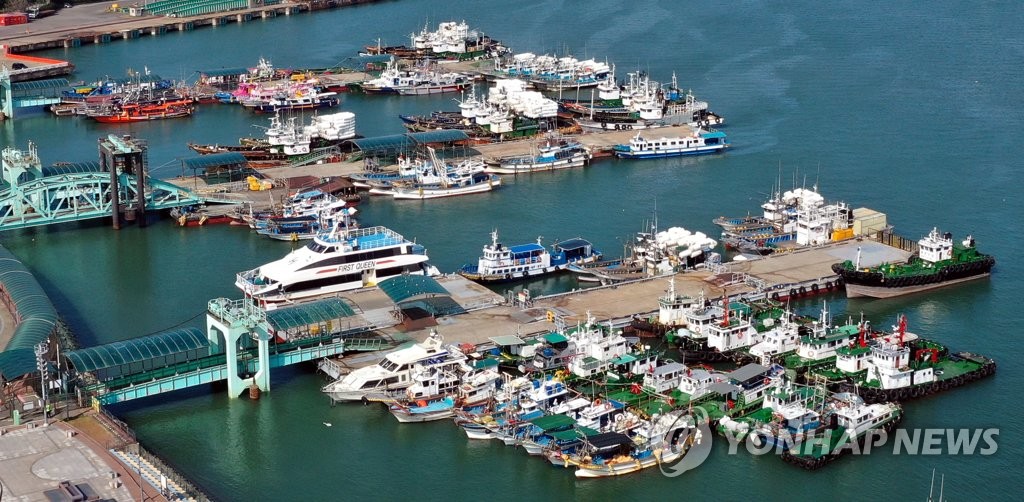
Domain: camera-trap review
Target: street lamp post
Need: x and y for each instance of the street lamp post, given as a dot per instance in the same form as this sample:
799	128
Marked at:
41	349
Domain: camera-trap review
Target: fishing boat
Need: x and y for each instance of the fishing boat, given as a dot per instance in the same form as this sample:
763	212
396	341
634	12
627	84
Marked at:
700	142
794	218
140	112
286	138
641	104
664	440
299	100
508	263
551	155
338	259
451	41
653	253
421	79
394	372
445	180
938	262
196	216
424	411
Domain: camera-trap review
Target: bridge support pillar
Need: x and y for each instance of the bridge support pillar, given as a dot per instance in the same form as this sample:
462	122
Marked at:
228	323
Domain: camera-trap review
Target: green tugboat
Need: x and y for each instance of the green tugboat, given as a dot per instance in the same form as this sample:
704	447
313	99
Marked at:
850	421
894	368
939	262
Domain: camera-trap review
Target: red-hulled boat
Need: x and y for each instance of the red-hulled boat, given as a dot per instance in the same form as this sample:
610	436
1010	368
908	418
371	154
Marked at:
136	112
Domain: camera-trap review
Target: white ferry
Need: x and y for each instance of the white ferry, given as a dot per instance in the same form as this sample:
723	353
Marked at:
395	371
509	263
700	142
336	260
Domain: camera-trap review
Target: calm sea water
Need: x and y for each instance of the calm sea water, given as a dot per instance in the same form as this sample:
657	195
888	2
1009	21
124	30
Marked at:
910	110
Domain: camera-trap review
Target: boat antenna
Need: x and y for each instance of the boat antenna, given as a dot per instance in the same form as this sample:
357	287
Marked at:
654	227
817	177
931	486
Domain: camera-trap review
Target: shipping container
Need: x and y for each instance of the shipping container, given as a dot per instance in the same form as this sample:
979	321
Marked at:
13	18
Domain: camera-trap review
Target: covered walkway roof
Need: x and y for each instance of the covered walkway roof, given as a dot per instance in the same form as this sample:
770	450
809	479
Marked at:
38	317
72	168
137	349
308	313
408	291
396	142
406	287
35	85
204	162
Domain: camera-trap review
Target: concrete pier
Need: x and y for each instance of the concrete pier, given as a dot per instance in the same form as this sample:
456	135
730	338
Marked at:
67	24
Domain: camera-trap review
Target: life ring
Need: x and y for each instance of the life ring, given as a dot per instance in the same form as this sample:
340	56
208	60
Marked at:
597	402
792	293
775	296
617	127
767	380
803	290
815	288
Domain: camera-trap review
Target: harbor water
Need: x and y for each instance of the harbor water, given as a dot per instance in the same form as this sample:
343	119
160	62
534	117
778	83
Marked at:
911	110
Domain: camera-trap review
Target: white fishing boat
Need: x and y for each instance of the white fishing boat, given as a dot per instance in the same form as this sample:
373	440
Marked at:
418	80
464	178
394	372
551	155
699	142
339	259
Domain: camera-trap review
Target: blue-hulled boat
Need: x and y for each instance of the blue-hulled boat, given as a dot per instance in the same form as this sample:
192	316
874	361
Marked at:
700	142
501	263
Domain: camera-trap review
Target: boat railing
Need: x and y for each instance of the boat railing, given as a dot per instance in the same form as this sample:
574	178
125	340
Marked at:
388	237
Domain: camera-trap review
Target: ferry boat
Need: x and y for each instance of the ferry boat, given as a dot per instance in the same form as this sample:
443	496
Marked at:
939	262
394	372
500	263
700	142
336	260
560	154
